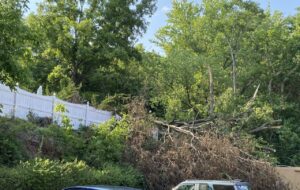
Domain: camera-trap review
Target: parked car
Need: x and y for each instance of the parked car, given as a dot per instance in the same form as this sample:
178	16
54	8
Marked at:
212	185
99	187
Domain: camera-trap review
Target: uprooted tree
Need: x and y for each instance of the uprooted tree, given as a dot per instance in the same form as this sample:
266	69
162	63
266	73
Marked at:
188	152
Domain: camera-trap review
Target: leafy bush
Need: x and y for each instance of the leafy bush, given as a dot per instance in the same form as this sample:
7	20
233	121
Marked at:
44	174
106	143
8	178
11	148
118	175
21	140
59	143
98	146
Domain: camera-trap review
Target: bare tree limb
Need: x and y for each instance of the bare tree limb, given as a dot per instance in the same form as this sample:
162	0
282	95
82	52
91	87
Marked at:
178	129
251	101
267	126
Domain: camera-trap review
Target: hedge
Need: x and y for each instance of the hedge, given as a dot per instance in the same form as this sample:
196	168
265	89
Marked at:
45	174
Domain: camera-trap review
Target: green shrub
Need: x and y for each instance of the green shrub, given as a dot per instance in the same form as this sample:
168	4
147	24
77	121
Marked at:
10	152
99	146
44	174
59	143
11	148
22	140
9	179
106	143
116	175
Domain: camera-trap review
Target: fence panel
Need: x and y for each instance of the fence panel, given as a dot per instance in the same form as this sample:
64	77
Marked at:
20	103
76	113
28	102
7	100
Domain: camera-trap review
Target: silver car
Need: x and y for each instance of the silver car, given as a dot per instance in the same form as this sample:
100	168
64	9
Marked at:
212	185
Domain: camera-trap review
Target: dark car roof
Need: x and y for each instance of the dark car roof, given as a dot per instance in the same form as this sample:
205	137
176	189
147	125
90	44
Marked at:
100	187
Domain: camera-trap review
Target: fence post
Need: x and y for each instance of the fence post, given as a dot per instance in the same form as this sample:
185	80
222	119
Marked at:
53	107
86	113
15	101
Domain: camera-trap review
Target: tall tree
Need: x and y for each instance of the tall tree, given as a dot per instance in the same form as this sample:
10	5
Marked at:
253	56
218	28
82	36
12	35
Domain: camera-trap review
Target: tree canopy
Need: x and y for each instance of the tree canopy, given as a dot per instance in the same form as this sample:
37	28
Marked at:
77	40
12	37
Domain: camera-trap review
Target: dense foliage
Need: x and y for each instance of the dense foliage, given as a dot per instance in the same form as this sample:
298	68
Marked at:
88	156
11	43
77	42
44	174
98	145
230	58
227	62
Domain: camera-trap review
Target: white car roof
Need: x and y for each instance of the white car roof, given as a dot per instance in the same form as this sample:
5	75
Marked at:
215	182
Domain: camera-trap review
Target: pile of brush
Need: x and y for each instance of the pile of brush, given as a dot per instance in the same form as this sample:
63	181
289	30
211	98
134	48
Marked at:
182	152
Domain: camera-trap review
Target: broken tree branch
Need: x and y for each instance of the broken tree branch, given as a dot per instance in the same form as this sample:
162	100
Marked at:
266	126
251	101
178	129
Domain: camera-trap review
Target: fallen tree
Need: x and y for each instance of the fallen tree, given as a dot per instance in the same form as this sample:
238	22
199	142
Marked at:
191	151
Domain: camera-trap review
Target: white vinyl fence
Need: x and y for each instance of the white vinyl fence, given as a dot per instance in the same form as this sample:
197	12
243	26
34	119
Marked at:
19	103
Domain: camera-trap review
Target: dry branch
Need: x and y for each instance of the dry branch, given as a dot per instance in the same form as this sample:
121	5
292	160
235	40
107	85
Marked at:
178	129
267	126
184	153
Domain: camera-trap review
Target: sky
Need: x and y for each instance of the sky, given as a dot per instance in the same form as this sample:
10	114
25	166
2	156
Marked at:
158	20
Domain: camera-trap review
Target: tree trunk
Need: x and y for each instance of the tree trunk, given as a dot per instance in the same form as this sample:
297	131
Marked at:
233	71
75	75
211	91
270	87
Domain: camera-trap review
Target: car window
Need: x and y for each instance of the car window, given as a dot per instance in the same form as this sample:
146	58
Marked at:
204	187
223	187
187	187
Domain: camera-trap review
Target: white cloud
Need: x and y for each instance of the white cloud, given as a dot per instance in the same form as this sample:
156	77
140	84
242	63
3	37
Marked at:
165	9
